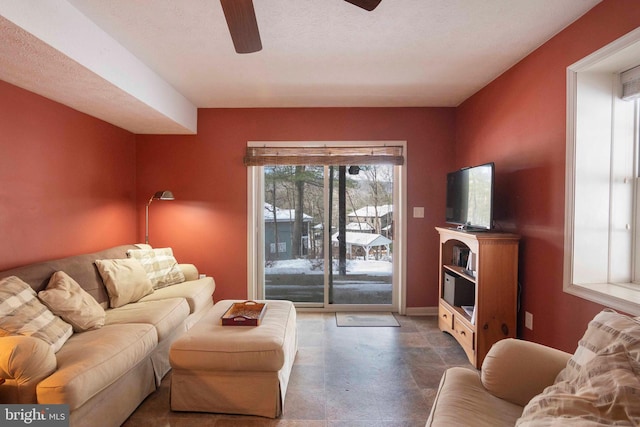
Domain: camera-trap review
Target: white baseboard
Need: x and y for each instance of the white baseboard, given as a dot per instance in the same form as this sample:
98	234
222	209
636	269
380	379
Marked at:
422	311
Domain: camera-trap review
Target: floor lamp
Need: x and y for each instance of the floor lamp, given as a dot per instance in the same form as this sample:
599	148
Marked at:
159	195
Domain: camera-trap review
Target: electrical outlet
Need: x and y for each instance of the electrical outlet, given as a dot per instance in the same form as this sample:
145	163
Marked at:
528	320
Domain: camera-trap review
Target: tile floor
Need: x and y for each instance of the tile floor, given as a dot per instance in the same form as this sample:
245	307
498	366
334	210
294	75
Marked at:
343	376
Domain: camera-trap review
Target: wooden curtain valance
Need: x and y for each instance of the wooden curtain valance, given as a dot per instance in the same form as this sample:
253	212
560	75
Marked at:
330	156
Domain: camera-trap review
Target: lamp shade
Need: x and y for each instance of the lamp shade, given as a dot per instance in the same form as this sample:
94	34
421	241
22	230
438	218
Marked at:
163	195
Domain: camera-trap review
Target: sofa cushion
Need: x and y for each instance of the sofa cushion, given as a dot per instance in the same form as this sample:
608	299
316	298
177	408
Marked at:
65	298
161	267
606	328
93	360
21	313
462	400
165	315
125	280
604	392
198	293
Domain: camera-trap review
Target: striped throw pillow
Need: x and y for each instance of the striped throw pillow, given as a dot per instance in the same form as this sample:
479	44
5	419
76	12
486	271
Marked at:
160	265
605	392
606	328
21	313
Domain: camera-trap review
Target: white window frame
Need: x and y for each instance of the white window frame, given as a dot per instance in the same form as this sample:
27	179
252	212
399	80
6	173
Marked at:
255	220
600	256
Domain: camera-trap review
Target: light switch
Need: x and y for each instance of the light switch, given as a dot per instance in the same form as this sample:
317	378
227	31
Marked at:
418	212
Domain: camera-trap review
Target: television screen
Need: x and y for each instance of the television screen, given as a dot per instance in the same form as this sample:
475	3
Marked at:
470	197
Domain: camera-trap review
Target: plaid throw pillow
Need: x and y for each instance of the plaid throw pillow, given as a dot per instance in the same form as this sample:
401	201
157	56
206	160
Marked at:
161	266
21	313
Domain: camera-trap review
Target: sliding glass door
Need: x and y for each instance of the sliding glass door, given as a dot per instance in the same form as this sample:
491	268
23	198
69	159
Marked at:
327	235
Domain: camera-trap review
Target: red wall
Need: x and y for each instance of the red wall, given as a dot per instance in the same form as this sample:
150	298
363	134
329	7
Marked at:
207	223
519	122
67	180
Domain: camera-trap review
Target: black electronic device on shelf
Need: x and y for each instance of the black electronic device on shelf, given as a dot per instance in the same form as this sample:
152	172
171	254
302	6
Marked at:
470	197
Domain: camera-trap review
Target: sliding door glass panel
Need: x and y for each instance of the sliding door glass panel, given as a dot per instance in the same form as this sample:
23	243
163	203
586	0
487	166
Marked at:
361	224
293	229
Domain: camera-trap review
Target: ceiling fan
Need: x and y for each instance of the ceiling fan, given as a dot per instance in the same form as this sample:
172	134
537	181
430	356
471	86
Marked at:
243	26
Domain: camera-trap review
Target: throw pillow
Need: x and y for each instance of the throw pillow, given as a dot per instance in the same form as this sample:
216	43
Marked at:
605	392
605	329
125	280
161	266
65	298
22	314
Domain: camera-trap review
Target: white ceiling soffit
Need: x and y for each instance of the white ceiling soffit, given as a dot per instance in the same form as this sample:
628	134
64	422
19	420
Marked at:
50	48
174	54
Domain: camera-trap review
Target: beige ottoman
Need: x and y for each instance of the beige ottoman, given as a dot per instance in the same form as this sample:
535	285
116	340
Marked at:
235	369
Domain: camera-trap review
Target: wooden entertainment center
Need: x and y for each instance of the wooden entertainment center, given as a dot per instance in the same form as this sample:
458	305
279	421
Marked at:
487	287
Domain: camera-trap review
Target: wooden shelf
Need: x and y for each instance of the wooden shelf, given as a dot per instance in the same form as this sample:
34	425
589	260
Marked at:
460	272
495	256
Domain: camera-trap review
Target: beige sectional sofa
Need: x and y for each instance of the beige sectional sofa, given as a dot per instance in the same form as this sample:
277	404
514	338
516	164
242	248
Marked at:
103	373
527	384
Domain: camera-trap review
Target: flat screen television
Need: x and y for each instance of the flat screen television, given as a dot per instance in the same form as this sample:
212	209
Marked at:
470	197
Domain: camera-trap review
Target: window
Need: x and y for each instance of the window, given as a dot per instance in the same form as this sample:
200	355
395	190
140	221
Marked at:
282	247
602	238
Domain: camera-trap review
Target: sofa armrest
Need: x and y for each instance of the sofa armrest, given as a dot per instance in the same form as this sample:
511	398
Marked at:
190	271
24	362
516	370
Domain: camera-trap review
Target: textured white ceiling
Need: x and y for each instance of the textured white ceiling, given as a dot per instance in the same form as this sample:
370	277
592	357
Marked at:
319	53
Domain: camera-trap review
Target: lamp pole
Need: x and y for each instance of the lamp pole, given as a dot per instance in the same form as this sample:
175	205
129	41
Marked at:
159	195
146	222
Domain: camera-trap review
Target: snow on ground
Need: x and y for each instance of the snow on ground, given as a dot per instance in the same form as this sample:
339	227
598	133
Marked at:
305	266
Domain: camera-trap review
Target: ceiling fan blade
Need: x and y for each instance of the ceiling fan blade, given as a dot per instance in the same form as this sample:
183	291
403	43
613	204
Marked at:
243	26
365	4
